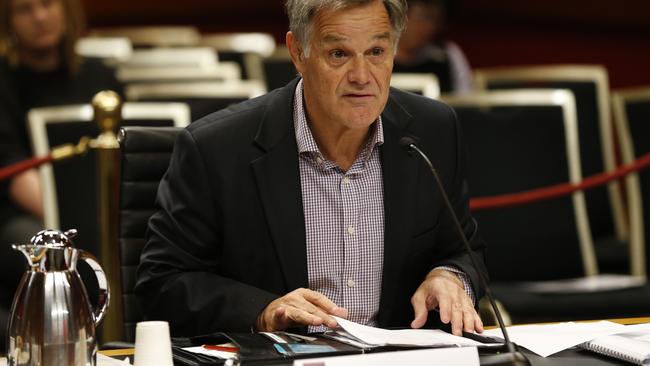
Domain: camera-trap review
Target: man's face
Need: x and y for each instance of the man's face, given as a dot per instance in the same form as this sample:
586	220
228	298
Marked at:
37	24
347	73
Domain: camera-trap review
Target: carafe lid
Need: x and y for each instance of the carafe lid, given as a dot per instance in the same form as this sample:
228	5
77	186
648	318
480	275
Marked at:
54	239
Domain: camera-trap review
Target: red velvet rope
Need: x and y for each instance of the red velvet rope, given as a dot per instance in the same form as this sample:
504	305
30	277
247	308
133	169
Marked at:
21	166
558	190
476	204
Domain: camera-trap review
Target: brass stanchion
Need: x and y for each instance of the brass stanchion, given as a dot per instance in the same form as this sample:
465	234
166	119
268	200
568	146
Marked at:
107	106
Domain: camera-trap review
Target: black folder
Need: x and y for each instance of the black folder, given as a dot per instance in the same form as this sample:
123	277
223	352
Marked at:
256	348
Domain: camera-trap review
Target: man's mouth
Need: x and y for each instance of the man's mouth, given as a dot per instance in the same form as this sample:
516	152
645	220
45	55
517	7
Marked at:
358	95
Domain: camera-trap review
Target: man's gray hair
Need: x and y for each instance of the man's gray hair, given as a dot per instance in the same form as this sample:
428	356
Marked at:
302	12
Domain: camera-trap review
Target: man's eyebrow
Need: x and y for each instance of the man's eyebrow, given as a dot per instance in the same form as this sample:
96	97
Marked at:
385	35
333	38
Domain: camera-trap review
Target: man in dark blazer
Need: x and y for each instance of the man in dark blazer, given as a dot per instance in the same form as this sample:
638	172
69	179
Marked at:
251	234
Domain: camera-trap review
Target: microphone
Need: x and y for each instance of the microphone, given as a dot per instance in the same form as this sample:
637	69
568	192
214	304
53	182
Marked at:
512	356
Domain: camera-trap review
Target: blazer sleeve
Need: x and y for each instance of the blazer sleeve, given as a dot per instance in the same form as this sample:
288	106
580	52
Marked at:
179	276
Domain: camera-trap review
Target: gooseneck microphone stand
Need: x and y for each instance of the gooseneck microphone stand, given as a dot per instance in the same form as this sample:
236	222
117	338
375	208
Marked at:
512	357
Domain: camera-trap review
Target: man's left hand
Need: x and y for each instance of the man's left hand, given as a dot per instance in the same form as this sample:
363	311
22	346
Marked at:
443	289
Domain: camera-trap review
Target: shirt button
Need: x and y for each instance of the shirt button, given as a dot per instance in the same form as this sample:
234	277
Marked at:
350	283
346	180
351	230
319	160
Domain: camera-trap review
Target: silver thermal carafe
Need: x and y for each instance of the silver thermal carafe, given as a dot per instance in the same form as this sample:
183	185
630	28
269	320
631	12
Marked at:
51	320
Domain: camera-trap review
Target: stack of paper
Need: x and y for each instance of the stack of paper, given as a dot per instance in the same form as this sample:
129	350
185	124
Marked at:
403	337
547	339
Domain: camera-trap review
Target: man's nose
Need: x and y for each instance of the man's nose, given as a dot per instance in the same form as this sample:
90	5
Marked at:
359	72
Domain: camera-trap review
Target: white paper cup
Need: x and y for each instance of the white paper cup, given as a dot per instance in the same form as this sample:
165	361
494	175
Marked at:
152	344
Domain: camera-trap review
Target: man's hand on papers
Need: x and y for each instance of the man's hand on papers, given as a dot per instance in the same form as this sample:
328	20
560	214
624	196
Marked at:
443	289
299	307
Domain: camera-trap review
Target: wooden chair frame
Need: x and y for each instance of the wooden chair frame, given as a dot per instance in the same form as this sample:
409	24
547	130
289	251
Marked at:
620	99
39	118
548	97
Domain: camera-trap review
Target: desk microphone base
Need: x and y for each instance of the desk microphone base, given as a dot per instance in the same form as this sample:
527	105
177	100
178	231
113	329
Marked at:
505	359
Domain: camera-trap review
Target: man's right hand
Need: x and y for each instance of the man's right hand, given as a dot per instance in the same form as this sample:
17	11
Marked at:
298	308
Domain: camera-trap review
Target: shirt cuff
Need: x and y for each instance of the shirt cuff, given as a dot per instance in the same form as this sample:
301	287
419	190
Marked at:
464	278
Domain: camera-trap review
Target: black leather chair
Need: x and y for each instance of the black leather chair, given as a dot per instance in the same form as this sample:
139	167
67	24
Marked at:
516	141
589	84
145	155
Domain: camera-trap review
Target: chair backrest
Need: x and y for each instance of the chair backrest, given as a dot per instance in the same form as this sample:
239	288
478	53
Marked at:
278	69
202	97
423	84
115	49
631	109
145	155
222	71
520	140
246	49
69	187
153	36
590	86
196	57
260	43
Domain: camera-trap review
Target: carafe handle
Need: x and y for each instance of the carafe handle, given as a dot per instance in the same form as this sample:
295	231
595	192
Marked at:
104	290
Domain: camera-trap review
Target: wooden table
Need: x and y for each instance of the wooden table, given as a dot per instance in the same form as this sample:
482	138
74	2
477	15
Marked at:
570	357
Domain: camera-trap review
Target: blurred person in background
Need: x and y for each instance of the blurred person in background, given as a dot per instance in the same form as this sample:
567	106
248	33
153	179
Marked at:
424	48
38	67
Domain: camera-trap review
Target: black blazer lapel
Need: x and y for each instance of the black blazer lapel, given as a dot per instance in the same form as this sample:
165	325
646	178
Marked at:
278	180
400	177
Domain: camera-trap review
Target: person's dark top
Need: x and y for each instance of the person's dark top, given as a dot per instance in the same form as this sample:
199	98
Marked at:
22	89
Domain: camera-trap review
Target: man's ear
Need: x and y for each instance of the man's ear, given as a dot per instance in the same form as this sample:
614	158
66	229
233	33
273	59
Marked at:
296	52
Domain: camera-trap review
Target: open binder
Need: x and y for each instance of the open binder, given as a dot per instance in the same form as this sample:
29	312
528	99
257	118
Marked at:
257	348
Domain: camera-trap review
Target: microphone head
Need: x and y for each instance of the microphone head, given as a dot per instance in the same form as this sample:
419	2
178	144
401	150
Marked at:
407	142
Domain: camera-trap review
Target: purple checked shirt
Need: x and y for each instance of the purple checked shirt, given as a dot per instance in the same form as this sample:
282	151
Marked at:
344	222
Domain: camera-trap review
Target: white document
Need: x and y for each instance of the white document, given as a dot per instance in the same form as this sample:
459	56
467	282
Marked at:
466	356
403	337
547	339
108	361
209	352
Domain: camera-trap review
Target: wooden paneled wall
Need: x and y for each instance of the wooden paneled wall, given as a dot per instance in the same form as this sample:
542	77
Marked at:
512	32
208	15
